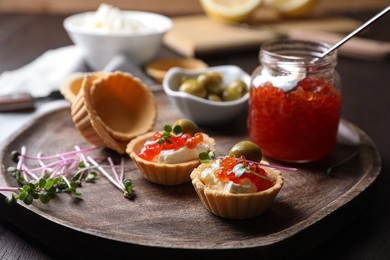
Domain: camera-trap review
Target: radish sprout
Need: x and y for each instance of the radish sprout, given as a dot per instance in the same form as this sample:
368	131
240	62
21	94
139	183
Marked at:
61	173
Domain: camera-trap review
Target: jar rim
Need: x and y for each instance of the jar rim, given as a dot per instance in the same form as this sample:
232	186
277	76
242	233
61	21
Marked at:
299	52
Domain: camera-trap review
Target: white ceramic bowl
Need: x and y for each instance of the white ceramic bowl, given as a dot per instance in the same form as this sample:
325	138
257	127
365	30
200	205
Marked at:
99	47
203	111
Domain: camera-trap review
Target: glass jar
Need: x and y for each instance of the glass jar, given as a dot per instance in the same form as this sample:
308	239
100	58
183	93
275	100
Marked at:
295	101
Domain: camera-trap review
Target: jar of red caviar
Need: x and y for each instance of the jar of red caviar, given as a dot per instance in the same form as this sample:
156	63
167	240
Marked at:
295	101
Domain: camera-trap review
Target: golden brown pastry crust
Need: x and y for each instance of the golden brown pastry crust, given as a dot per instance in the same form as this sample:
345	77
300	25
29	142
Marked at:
105	104
160	173
236	206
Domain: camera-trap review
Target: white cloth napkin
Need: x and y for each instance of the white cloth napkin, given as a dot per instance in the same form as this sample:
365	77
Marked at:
44	74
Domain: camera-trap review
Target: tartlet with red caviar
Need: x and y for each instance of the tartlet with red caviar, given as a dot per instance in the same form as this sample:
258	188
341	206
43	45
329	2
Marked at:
236	188
168	157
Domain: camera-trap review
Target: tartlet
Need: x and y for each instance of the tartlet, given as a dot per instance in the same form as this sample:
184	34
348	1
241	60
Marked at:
162	173
72	85
110	111
236	206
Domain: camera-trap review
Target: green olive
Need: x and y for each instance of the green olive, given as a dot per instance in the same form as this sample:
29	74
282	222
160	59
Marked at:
212	81
214	97
230	94
182	79
248	149
240	86
215	89
193	87
188	126
210	78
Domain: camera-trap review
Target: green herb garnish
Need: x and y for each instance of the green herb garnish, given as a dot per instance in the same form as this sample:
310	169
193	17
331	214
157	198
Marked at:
240	169
168	132
206	157
62	173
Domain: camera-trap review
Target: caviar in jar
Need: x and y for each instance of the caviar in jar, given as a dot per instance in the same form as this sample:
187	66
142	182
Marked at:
295	101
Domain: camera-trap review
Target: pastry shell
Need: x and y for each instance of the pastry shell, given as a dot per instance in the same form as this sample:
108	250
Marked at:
160	173
236	206
124	106
81	115
97	110
72	85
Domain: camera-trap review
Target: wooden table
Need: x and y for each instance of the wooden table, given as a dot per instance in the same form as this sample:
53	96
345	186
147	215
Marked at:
366	96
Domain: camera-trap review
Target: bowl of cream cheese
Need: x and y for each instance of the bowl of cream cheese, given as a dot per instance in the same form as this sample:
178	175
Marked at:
109	31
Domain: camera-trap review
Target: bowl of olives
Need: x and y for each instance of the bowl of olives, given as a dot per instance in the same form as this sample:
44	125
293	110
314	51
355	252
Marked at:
210	96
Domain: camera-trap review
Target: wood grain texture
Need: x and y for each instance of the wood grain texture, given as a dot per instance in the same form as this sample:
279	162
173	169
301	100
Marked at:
208	37
172	219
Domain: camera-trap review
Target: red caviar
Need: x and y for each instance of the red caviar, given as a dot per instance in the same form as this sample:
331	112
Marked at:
299	125
158	144
225	173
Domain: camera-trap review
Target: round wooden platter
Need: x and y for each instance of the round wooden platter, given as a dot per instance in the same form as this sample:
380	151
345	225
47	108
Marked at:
172	219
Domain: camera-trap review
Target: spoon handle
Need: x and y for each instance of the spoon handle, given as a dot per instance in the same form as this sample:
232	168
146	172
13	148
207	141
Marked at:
357	47
349	36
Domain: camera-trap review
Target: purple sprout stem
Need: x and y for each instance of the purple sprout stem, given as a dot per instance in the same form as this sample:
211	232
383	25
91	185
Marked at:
22	154
66	181
118	185
72	167
13	189
113	169
56	163
82	156
42	164
272	166
278	167
27	174
122	169
57	156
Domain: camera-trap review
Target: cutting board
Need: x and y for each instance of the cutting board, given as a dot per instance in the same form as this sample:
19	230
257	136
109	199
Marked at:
198	35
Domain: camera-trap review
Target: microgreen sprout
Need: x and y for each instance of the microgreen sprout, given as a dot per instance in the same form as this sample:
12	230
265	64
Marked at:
129	189
206	157
61	173
240	169
177	130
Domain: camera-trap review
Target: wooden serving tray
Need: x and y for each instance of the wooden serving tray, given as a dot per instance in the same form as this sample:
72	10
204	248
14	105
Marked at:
171	220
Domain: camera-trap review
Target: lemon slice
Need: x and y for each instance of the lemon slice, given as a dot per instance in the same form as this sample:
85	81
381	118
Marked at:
230	10
292	8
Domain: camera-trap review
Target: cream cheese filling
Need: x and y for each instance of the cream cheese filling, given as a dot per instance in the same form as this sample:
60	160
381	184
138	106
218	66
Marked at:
183	154
212	182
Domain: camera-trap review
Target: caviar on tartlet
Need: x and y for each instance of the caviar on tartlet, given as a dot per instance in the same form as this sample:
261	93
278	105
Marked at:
173	148
236	188
168	157
238	172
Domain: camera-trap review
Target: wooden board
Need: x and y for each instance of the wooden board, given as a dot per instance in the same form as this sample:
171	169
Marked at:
170	220
198	35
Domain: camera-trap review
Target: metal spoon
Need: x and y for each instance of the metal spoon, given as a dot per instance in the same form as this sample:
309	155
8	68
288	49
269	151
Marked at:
349	36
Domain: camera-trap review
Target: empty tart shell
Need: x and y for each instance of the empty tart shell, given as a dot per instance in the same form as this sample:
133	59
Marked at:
161	173
72	85
81	115
236	206
124	106
105	106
